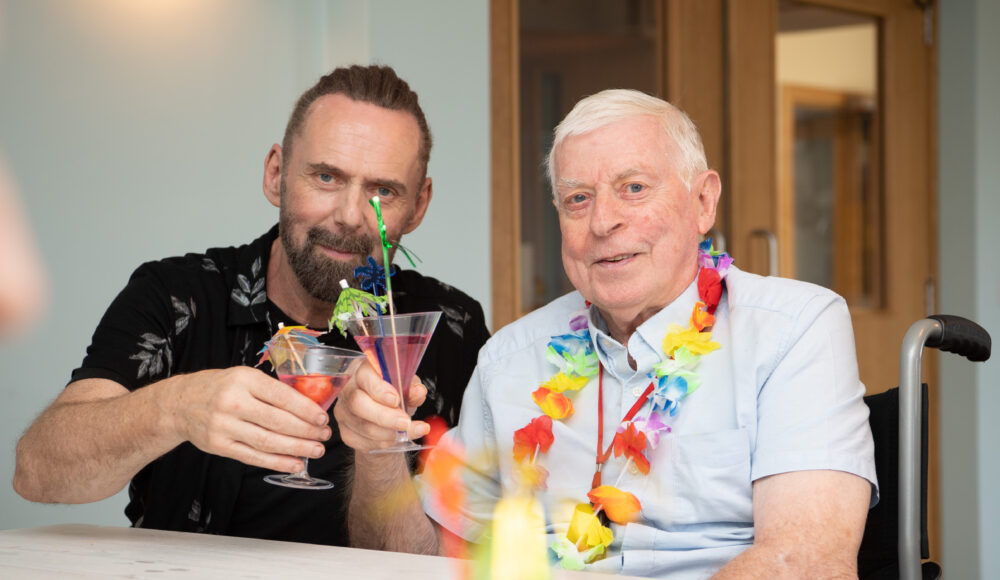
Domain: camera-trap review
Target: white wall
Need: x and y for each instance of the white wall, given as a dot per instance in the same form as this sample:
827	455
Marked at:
137	130
969	208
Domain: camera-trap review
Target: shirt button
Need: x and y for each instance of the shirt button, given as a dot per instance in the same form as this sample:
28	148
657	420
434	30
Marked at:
636	391
633	470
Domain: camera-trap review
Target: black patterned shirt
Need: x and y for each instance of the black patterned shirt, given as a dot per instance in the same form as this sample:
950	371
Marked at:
211	311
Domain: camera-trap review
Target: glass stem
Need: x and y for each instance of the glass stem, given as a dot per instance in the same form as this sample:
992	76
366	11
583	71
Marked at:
304	474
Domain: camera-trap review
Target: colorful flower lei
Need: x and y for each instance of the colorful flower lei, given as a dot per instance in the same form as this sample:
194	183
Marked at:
674	379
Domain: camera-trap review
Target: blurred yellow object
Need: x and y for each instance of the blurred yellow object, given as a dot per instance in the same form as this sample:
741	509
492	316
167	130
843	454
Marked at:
587	527
519	549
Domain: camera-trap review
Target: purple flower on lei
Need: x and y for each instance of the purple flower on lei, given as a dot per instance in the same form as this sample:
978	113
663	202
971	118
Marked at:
651	426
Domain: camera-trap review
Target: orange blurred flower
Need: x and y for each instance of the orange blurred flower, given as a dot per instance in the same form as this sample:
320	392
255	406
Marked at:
621	506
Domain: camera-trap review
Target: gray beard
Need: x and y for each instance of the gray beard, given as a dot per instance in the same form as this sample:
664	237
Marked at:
320	276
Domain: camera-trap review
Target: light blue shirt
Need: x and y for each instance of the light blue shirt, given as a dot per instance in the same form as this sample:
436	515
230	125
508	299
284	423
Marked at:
781	395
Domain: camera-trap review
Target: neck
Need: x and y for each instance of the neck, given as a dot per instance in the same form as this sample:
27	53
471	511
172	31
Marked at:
284	290
623	322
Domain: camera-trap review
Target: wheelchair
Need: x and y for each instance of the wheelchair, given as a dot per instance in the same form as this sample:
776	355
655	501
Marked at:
895	538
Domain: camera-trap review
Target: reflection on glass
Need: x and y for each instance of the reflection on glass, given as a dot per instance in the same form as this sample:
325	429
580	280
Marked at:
569	49
831	202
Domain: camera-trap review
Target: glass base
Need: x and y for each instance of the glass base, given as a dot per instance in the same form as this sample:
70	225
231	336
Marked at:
296	481
402	448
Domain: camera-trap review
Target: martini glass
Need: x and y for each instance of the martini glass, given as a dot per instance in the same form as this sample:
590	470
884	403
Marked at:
318	372
394	345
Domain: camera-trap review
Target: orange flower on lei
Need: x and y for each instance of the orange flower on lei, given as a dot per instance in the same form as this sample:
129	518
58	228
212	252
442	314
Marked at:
555	405
621	506
631	442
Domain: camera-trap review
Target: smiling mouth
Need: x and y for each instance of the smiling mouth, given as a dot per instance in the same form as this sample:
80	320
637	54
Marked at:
615	259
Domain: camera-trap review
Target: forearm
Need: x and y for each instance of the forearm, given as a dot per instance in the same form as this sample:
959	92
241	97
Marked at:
384	512
83	451
773	563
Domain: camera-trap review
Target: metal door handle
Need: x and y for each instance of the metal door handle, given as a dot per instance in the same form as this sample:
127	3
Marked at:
772	249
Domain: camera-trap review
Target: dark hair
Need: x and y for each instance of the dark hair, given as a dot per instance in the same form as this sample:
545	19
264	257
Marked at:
378	85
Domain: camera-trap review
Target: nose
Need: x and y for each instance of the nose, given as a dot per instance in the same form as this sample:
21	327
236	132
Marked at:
607	216
349	209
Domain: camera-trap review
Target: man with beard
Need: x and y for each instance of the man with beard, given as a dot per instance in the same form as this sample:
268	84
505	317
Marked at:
167	398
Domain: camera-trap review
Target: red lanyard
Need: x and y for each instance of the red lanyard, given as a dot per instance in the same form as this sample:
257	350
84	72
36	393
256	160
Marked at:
601	457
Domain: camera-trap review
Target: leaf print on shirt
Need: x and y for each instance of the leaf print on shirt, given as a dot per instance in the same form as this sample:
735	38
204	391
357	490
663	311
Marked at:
185	312
251	290
454	318
430	383
208	264
155	350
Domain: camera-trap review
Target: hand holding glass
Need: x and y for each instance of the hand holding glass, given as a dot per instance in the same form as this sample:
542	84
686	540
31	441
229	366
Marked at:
318	372
394	345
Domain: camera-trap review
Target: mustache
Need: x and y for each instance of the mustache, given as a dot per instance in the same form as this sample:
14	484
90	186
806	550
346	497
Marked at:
316	235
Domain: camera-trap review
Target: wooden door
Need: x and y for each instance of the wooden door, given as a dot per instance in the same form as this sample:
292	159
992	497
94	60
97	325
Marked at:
886	268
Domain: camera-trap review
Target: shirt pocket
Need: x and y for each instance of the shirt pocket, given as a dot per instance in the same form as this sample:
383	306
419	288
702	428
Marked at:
707	480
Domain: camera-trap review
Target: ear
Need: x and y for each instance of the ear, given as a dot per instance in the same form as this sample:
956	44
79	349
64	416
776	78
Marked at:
423	200
706	188
272	175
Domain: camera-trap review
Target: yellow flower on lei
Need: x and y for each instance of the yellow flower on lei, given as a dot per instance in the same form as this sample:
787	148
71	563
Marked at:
698	343
563	382
587	527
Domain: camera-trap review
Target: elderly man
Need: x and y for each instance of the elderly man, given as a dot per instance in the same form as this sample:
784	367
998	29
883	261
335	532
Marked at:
167	396
715	416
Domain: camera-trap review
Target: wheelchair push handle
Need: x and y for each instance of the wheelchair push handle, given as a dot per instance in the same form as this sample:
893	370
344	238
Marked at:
960	336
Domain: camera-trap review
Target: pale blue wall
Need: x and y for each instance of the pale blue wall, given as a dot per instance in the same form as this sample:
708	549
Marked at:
969	212
987	265
138	130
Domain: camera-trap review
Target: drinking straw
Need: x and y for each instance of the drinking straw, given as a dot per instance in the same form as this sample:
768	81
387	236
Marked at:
376	203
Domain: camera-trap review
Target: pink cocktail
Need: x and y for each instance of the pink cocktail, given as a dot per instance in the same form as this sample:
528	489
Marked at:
320	373
395	345
322	389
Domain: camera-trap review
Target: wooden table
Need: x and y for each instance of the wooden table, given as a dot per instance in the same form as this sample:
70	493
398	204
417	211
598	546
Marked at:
85	551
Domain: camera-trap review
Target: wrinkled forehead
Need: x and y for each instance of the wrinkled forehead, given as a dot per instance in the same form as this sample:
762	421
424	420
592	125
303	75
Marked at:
622	146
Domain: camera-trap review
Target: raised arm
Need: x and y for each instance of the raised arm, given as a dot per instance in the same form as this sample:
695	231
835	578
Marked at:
807	524
384	512
97	435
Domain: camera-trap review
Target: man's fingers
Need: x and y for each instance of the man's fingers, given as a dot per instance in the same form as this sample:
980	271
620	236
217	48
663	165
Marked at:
371	383
418	429
417	395
278	420
250	456
267	441
280	395
358	407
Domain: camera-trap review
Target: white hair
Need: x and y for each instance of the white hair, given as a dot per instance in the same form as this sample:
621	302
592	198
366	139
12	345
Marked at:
613	105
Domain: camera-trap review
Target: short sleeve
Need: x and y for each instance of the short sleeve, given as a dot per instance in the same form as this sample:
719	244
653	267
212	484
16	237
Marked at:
133	344
810	410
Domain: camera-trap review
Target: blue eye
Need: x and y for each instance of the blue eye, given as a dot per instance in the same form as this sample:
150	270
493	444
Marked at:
325	177
384	191
634	187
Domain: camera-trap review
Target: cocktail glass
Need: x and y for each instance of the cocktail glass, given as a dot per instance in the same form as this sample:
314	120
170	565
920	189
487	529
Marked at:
318	372
394	345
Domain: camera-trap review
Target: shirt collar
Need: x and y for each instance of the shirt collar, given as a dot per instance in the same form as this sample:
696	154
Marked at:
247	281
646	343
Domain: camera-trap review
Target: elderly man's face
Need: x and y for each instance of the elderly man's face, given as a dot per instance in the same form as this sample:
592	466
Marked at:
630	226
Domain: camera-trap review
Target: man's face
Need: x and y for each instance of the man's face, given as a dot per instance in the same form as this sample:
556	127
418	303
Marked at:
630	226
347	153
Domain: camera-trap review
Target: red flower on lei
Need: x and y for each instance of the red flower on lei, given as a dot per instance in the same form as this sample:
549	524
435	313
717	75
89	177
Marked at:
535	435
